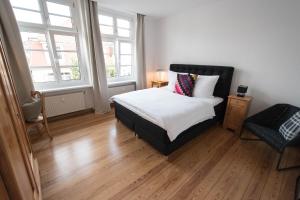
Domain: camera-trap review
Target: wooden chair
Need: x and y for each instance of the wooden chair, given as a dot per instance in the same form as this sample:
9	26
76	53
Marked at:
42	118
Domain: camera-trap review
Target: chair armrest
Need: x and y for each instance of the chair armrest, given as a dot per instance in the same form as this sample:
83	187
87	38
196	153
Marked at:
41	96
268	135
36	94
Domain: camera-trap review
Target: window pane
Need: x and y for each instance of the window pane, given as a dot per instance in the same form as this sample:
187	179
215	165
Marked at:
67	58
106	20
122	23
125	48
28	16
123	32
42	75
125	60
60	21
55	8
29	4
106	29
110	66
108	48
38	58
34	41
65	42
125	71
70	73
109	56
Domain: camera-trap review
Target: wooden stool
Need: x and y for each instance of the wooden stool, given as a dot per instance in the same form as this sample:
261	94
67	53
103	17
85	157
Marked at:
42	118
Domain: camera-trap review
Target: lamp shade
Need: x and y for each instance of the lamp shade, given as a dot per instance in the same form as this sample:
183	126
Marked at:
159	74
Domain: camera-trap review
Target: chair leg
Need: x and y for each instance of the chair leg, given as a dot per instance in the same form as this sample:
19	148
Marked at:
47	129
284	168
248	139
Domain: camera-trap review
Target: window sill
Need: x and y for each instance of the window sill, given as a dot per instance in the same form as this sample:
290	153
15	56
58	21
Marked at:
64	90
56	91
121	83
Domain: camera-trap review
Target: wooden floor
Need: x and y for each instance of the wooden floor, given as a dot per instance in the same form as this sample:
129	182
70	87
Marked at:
96	157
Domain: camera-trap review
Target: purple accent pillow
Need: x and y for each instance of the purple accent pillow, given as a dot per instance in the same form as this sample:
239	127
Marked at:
184	84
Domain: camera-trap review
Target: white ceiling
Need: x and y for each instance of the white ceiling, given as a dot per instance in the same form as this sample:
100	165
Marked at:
154	8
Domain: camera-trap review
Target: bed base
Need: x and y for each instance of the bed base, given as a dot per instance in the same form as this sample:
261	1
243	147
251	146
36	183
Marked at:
155	135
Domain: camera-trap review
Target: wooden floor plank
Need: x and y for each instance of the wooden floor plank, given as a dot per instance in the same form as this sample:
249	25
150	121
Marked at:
178	168
208	182
242	169
96	157
173	179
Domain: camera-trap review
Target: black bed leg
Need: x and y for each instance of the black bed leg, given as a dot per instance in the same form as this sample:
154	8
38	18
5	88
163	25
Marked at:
137	135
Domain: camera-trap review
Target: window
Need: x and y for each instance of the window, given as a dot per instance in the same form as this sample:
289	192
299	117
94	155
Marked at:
49	32
117	32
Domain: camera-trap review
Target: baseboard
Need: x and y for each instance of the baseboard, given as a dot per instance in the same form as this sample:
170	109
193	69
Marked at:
72	114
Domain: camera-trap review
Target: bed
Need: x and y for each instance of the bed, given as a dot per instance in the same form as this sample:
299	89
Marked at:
157	136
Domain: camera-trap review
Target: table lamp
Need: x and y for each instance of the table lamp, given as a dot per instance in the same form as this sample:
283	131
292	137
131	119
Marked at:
159	74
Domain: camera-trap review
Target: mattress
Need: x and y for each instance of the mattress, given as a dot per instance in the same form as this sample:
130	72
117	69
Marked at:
172	112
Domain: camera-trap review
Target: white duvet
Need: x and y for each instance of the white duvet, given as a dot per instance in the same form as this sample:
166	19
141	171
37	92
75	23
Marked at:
172	112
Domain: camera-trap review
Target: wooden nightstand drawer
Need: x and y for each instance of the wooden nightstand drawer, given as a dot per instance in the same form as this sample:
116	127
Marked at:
238	109
235	115
236	112
236	102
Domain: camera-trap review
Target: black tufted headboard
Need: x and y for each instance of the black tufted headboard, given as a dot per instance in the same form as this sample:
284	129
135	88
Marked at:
223	85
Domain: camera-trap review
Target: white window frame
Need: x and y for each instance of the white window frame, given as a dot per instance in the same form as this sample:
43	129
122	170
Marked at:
51	30
117	40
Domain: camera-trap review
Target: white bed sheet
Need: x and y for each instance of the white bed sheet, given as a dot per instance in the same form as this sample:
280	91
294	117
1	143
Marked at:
173	112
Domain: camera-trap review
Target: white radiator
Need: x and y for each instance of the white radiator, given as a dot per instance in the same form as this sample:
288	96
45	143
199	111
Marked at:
65	103
120	89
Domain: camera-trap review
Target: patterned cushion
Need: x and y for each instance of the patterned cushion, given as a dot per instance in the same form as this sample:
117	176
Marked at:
184	84
291	128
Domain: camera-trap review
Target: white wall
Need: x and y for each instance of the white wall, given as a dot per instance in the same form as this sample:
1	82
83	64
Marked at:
260	38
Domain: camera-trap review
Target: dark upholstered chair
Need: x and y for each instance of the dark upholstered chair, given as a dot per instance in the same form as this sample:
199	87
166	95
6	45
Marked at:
265	125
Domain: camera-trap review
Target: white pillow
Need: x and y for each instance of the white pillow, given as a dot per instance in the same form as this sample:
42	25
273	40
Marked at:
205	86
172	76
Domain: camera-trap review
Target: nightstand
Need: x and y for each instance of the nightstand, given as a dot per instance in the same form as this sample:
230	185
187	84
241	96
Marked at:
236	112
159	83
